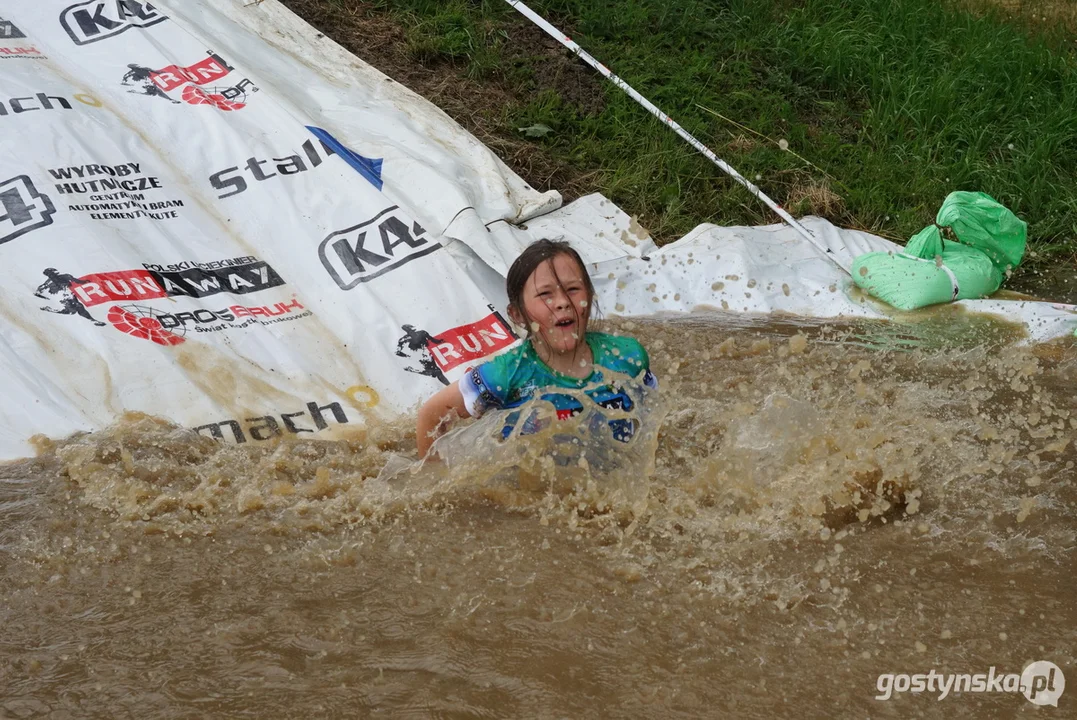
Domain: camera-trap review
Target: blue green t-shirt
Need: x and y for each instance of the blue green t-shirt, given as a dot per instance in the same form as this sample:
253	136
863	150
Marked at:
513	378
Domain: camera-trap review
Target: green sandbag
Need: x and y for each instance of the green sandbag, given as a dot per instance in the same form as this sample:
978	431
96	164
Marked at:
990	240
908	282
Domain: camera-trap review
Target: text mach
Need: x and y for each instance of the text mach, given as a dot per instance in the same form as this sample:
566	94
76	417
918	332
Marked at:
267	426
232	180
42	101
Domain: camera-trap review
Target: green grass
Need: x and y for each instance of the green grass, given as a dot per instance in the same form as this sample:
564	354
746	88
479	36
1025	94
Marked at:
899	101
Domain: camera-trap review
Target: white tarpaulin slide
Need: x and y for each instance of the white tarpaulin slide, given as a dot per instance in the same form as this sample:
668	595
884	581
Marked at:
211	213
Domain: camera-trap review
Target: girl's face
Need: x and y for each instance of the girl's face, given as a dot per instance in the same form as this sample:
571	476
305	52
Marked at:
557	304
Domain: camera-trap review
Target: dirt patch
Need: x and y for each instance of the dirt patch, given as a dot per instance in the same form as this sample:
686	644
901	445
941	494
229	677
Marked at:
814	197
381	40
1036	14
742	144
555	67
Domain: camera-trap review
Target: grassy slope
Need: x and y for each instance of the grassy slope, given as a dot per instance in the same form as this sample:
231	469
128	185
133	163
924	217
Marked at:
898	102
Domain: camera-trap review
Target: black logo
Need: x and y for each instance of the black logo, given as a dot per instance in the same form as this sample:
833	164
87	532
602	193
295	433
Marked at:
349	261
235	315
238	276
245	276
41	101
417	343
267	426
232	179
58	289
94	20
22	208
143	77
8	31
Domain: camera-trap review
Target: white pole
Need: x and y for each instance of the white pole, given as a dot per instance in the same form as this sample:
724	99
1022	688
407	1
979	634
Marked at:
651	108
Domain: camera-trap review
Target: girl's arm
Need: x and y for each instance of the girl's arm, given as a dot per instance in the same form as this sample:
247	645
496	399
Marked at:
435	415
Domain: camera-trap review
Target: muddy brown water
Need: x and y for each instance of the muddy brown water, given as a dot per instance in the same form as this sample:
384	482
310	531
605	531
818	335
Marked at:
804	508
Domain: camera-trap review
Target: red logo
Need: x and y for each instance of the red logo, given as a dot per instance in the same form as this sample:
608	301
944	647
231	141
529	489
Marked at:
122	285
238	276
198	96
213	69
201	73
170	328
470	342
20	51
144	325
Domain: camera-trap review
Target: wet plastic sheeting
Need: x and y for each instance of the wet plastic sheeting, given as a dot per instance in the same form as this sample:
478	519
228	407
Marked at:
214	214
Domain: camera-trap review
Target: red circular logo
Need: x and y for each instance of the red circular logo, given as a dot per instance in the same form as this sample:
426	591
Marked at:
141	323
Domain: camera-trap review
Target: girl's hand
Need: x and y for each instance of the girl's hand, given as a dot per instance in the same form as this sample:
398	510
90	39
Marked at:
436	414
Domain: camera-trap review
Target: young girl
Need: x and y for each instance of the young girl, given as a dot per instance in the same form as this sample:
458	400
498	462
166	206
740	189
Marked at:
551	295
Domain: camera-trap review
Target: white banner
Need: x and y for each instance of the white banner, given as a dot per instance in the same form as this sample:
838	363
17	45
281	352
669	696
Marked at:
185	232
212	213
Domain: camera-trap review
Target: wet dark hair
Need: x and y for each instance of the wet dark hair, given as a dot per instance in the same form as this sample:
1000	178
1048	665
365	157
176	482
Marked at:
535	254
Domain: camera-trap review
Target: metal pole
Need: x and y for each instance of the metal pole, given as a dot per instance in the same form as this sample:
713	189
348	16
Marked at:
651	108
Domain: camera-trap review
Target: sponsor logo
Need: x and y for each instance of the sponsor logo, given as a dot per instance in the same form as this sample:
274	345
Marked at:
373	248
95	20
8	32
436	355
268	426
171	328
192	78
41	101
233	182
57	291
232	179
141	322
238	276
70	295
115	192
22	208
369	168
415	345
203	72
29	52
